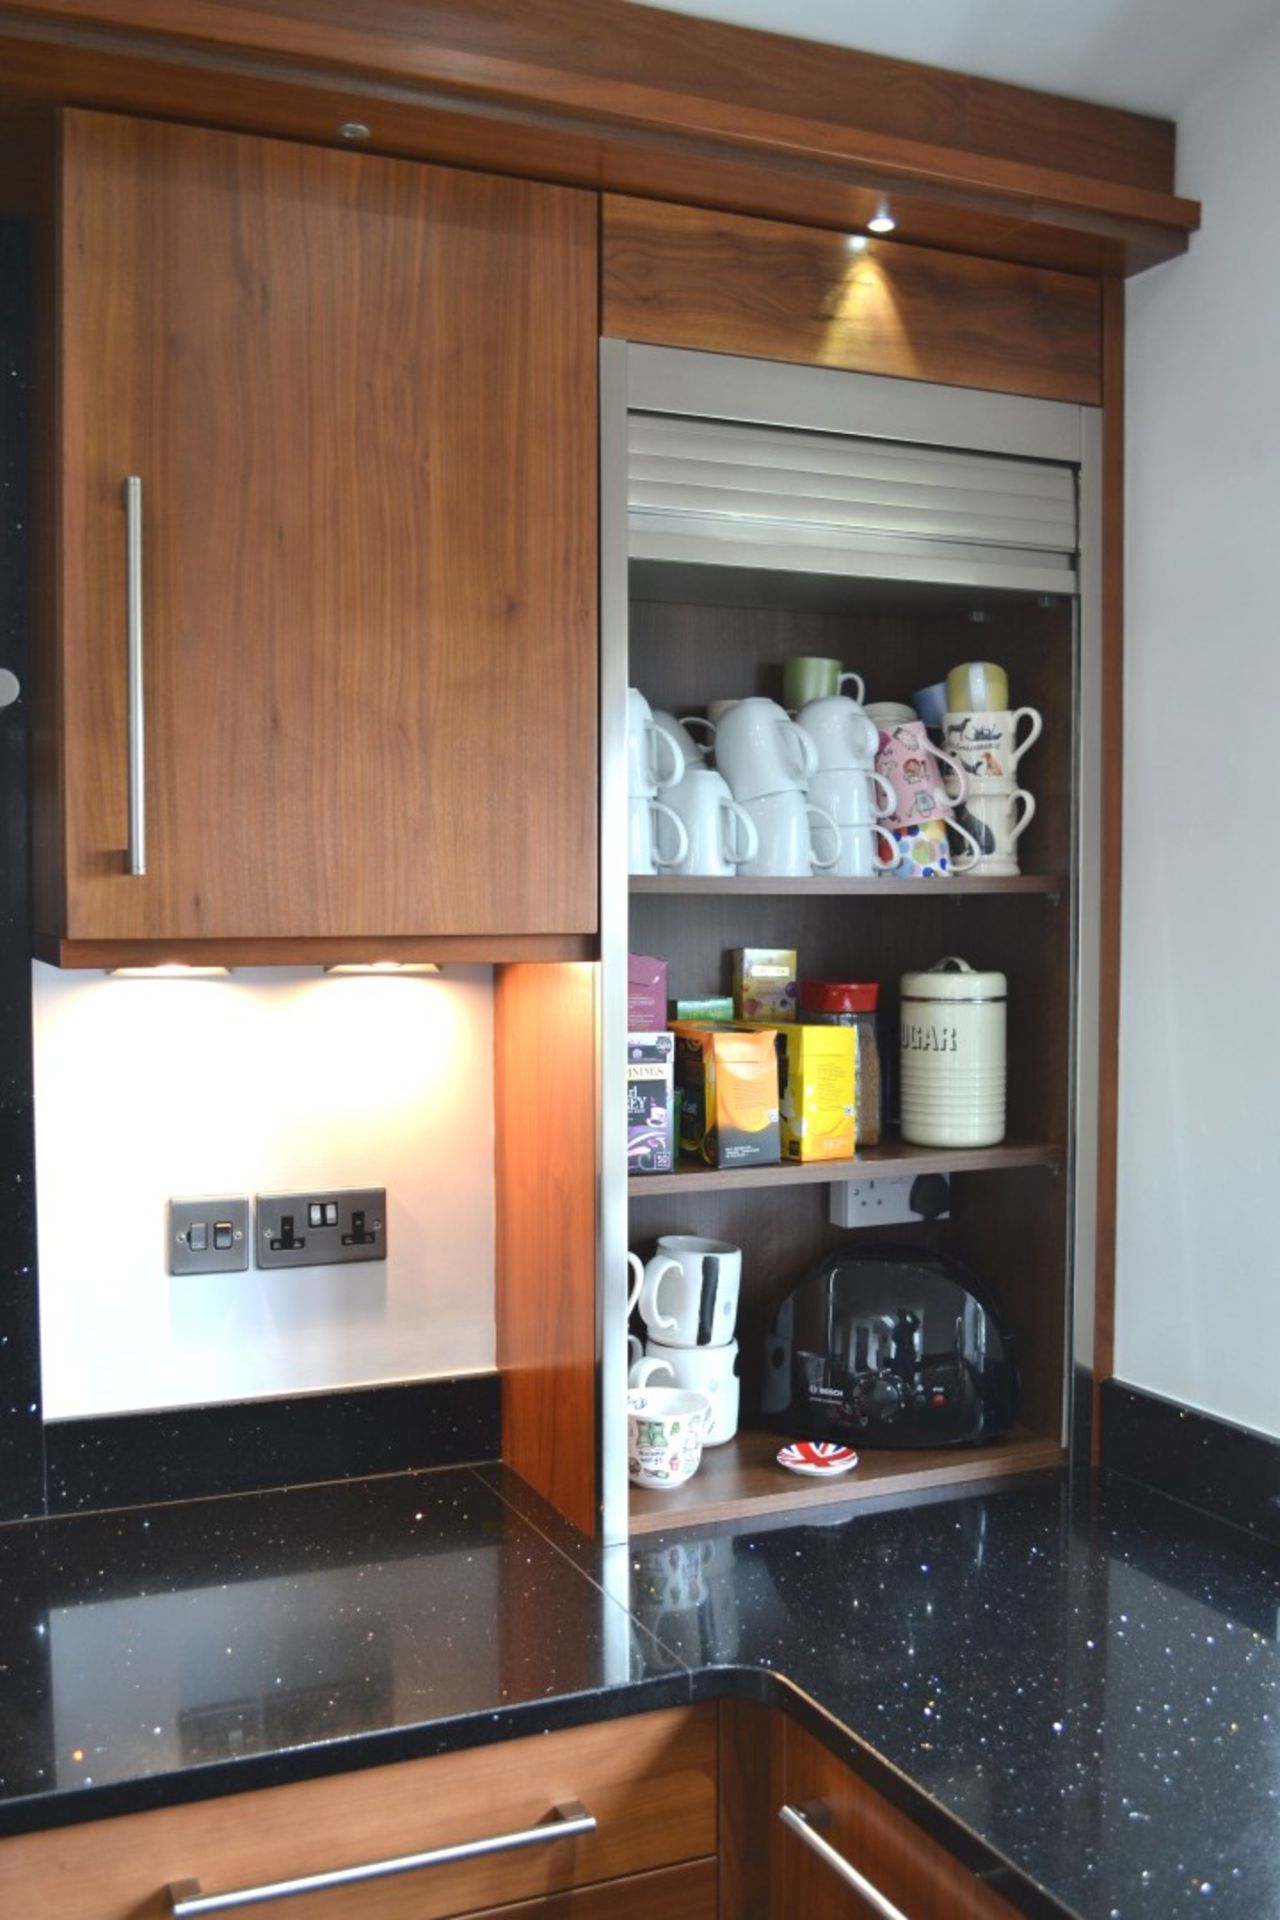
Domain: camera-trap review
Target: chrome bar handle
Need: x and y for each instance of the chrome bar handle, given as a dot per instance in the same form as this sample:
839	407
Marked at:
799	1819
566	1822
136	857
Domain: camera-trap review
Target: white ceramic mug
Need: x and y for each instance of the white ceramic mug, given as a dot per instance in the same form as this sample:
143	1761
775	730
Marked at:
722	834
647	1368
645	1298
842	733
698	1282
760	749
654	759
666	1427
785	837
987	744
848	796
696	753
712	1371
644	818
997	820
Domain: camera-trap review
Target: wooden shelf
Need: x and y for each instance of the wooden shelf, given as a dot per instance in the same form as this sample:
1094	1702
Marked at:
1053	885
870	1163
743	1478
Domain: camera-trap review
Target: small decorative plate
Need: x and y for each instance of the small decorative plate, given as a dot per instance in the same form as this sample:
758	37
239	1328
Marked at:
823	1458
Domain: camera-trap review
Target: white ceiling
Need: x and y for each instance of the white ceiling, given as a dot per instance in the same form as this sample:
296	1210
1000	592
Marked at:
1153	55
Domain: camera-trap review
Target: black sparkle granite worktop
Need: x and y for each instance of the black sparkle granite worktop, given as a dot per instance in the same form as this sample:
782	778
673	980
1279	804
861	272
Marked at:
1078	1687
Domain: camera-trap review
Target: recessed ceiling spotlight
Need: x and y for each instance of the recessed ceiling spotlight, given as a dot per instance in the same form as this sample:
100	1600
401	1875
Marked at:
882	221
857	243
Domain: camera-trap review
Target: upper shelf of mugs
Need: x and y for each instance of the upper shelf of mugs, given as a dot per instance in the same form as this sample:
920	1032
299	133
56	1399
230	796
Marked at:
954	887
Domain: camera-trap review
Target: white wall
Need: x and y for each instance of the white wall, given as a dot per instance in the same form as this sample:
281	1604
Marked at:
251	1083
1198	1296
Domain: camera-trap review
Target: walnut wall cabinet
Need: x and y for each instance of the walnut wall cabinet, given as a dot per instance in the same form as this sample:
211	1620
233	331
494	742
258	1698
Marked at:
354	400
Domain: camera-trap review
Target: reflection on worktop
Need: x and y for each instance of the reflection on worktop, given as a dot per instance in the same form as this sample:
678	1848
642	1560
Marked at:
138	1645
1091	1683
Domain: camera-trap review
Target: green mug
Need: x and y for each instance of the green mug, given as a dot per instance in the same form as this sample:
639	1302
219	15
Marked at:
806	678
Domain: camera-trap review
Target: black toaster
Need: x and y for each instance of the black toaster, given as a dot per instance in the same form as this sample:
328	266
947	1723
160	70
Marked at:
890	1347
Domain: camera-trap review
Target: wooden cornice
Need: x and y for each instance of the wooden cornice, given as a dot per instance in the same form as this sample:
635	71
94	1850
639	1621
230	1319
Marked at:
605	94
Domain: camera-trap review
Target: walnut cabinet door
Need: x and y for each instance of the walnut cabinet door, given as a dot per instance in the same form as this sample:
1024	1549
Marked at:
359	396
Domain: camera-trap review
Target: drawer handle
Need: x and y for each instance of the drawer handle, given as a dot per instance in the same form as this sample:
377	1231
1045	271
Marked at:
565	1822
136	857
800	1820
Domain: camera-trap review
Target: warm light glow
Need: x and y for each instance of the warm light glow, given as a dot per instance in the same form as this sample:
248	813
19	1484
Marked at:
882	221
386	966
172	970
857	243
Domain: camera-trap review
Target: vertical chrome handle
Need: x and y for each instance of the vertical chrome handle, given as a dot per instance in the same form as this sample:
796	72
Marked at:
566	1822
136	857
799	1820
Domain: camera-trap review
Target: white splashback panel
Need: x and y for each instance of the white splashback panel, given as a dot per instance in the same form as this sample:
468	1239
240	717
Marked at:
253	1082
1198	1274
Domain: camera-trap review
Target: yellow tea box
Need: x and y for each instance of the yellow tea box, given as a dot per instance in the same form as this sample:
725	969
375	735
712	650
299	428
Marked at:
764	983
817	1092
728	1085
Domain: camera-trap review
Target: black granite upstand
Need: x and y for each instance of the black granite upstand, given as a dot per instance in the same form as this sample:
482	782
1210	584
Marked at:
1076	1687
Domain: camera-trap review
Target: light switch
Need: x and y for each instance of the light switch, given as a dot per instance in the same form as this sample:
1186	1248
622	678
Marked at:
208	1236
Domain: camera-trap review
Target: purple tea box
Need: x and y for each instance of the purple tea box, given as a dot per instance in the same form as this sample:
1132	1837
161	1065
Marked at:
650	1091
646	993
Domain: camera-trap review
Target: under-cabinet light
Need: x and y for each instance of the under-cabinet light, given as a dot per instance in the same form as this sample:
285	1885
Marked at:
386	966
857	243
169	970
882	221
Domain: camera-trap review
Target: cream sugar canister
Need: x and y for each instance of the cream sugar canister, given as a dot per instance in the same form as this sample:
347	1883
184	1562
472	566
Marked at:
953	1056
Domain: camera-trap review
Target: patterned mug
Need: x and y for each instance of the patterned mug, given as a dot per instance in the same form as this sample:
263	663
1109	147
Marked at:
924	852
666	1427
912	765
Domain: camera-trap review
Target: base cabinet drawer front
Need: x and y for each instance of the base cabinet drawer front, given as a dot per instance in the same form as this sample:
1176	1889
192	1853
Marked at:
673	1893
914	1876
650	1783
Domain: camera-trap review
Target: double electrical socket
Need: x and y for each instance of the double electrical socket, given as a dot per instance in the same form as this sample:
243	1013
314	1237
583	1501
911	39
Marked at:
318	1229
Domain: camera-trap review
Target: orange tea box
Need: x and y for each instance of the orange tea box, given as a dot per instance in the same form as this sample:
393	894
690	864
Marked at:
817	1090
728	1083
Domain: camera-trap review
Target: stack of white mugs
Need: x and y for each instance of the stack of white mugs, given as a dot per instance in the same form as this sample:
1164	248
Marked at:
687	1298
827	785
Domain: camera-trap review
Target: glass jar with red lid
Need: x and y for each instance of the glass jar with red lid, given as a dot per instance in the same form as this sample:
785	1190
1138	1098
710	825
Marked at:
851	1003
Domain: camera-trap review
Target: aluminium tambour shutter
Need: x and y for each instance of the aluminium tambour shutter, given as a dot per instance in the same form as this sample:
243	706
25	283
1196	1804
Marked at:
727	493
